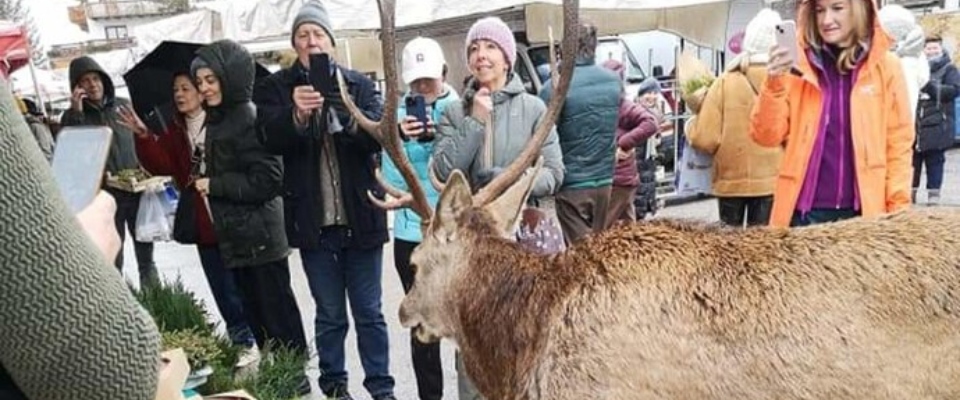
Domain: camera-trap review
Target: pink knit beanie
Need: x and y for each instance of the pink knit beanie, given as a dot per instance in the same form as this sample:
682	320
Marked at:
494	30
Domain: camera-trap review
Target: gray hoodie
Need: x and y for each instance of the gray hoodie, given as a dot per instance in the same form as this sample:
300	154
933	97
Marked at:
123	153
516	114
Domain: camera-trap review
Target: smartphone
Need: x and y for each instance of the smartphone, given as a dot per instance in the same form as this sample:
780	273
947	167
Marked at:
786	33
78	163
417	107
321	74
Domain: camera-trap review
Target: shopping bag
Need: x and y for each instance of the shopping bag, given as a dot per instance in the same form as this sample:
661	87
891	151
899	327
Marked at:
154	218
540	233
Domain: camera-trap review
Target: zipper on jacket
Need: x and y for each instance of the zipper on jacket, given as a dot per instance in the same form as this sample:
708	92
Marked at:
843	142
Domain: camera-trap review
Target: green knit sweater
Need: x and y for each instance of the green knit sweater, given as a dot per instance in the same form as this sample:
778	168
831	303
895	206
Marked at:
69	326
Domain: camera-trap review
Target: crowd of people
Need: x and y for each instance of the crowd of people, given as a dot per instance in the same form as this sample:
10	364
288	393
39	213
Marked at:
264	166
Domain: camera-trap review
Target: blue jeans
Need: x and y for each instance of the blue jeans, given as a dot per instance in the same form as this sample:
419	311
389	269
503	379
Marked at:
337	272
934	161
225	293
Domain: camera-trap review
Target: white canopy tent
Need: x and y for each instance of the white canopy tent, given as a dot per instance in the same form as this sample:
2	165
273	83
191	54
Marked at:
701	21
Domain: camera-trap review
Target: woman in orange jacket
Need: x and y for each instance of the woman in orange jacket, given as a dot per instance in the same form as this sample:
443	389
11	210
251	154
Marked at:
842	113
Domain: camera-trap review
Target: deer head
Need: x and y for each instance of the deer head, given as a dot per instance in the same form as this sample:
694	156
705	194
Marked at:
460	214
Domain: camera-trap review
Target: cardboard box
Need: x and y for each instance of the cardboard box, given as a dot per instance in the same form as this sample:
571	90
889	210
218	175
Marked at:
174	370
234	395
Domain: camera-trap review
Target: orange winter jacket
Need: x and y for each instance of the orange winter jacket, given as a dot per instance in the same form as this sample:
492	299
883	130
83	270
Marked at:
787	114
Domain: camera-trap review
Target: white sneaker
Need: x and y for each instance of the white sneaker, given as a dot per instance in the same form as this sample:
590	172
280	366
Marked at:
248	357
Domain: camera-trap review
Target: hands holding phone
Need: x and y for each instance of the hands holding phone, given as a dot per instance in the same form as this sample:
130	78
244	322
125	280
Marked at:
413	128
76	99
781	62
784	54
306	100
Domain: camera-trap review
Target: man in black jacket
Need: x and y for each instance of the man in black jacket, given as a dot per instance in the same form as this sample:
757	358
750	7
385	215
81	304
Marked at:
93	102
329	166
935	119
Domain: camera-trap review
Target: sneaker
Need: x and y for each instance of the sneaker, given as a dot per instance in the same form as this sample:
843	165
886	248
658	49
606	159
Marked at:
933	197
249	356
304	388
339	394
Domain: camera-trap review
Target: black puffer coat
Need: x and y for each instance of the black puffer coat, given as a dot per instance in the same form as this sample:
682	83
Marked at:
245	179
936	119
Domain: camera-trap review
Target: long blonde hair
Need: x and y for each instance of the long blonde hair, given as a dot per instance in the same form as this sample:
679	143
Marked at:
863	17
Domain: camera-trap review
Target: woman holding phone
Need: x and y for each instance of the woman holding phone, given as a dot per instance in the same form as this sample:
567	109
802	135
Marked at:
424	71
841	111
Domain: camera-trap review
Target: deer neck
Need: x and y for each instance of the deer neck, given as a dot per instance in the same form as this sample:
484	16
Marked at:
505	299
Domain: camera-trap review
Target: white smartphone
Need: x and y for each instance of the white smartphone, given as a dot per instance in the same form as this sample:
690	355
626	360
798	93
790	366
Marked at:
78	162
786	33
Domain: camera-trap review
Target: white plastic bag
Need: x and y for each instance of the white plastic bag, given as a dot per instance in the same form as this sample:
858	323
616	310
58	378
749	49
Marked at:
153	222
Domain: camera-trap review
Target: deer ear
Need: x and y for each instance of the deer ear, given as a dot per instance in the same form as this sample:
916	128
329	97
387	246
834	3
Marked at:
506	208
455	198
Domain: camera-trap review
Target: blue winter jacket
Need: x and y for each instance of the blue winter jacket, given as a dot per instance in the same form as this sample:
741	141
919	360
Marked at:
406	223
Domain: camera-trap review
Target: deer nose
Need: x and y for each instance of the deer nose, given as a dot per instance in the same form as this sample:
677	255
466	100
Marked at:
405	318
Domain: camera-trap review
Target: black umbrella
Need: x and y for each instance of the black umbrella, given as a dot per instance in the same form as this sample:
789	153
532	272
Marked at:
150	82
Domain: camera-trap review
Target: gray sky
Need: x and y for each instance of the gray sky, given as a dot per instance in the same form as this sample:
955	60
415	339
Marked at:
54	22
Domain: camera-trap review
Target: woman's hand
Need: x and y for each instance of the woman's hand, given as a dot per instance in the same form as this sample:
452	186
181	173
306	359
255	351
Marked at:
203	186
131	121
482	105
780	61
412	127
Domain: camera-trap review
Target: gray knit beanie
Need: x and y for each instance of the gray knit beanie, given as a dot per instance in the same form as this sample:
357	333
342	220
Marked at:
313	12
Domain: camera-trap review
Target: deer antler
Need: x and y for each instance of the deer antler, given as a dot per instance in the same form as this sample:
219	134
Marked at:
568	48
385	131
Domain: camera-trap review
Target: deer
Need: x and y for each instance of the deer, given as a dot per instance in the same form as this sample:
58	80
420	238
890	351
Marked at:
675	309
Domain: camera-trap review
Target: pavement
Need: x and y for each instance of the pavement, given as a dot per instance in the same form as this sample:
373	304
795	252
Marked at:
174	260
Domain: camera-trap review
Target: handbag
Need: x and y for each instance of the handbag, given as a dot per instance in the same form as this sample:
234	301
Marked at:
185	229
185	220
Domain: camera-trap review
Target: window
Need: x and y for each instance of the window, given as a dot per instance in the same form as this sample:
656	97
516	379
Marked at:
116	32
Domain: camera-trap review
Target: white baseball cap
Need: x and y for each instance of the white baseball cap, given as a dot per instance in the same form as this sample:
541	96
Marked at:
422	58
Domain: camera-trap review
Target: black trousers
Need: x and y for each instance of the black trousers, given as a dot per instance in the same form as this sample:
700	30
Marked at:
426	357
752	211
270	306
128	205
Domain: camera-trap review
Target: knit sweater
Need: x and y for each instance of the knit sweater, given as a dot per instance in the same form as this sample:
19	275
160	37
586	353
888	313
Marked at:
69	326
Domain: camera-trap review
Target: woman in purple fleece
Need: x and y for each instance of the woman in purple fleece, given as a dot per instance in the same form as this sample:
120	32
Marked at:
635	125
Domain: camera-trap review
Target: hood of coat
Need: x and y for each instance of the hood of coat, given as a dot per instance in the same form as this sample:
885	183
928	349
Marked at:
81	66
235	68
902	25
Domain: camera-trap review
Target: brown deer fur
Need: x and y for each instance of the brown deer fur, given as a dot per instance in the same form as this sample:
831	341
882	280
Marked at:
862	309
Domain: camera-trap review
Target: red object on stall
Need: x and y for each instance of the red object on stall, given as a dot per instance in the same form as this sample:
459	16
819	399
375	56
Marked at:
14	48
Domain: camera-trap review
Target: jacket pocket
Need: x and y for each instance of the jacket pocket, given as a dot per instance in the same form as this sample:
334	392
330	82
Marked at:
369	217
874	143
244	230
795	158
